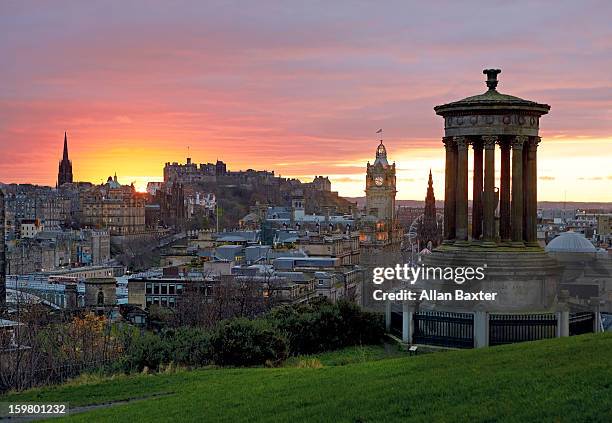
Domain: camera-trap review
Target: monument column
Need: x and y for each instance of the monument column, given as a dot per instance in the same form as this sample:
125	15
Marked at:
504	194
489	190
461	200
517	190
450	176
531	194
477	191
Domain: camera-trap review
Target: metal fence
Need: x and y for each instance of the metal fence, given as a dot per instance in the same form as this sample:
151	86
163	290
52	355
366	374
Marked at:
511	328
580	323
454	330
396	323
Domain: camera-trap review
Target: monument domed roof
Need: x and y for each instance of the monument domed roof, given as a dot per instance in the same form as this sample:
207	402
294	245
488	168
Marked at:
491	99
570	242
494	96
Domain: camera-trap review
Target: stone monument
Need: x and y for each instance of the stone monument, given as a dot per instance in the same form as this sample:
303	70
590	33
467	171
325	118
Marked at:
504	243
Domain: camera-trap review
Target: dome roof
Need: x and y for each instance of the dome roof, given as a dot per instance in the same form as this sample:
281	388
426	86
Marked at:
491	100
570	242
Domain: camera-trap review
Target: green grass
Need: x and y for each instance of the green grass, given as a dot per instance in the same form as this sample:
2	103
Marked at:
567	379
350	355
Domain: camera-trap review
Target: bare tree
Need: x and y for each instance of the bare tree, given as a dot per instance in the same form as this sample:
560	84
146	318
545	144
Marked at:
50	346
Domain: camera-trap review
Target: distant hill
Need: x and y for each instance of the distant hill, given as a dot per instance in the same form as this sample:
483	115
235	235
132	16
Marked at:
564	379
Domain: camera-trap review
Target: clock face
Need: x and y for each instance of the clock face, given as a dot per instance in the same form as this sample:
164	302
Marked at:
378	180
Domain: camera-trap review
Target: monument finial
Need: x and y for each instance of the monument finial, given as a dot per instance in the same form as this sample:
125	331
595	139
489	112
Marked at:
491	77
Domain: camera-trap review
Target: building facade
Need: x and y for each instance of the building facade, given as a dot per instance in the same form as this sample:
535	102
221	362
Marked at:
115	207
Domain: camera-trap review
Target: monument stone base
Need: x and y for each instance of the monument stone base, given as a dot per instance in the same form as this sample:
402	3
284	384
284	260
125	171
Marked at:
523	280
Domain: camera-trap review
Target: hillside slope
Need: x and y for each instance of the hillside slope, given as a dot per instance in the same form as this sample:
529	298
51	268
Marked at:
566	379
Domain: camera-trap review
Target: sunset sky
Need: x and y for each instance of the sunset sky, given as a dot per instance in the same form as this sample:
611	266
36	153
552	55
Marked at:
296	87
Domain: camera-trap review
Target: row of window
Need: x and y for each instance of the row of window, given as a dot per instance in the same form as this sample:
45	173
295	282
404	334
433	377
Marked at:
164	289
161	301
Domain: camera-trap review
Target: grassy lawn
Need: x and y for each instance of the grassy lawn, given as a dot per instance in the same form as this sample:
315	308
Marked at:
562	380
351	355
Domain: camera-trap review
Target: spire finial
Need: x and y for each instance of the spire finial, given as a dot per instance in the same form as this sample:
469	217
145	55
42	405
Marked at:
492	78
65	154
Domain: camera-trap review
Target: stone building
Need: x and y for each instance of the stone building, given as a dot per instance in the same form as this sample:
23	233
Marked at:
50	250
100	292
380	234
115	207
172	207
191	172
93	247
52	207
320	183
379	225
604	227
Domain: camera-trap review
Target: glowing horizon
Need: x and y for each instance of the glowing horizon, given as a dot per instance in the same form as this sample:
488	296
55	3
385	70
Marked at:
271	86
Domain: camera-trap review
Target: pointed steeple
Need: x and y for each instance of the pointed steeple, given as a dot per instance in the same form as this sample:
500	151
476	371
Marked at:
64	174
430	192
428	230
65	156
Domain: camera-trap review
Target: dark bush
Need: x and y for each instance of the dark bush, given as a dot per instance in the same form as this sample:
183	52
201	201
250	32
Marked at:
190	346
322	326
296	329
243	342
145	350
185	346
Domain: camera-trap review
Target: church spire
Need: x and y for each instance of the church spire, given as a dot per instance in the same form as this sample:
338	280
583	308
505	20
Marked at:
65	156
64	174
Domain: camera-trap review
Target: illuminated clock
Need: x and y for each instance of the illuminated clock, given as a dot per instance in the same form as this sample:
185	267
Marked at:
378	180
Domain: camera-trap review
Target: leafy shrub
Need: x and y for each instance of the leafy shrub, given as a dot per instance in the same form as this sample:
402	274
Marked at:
146	350
189	346
185	346
296	330
243	342
323	326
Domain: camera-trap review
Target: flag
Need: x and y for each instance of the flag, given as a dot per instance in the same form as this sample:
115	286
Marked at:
379	131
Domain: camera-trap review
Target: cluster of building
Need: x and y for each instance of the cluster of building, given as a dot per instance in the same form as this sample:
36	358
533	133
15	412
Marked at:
296	268
594	224
30	209
290	249
57	249
301	240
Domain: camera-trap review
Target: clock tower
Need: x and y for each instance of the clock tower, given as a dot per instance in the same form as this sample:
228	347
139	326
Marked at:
381	187
380	235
